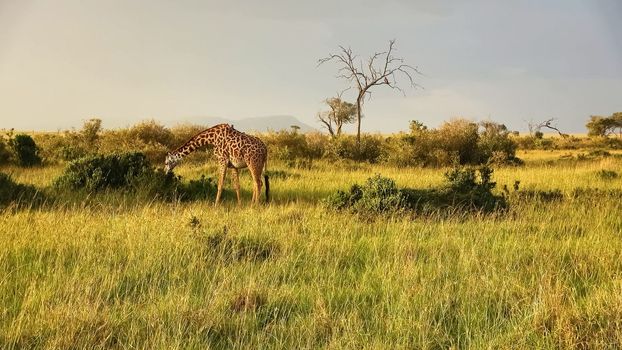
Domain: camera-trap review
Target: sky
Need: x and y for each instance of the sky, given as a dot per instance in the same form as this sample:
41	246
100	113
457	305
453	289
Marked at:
62	62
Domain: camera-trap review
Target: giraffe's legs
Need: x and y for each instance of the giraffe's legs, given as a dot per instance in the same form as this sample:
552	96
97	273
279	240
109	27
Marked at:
256	175
236	183
221	180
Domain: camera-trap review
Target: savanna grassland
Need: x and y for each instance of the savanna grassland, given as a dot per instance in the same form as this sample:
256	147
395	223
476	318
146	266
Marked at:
110	271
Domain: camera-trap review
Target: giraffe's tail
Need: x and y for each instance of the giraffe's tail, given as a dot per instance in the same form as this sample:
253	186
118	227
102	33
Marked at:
266	180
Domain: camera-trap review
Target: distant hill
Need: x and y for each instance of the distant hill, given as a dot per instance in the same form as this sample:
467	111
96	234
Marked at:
275	123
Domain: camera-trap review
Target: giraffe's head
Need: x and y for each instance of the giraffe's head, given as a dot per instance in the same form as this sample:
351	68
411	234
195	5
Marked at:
171	161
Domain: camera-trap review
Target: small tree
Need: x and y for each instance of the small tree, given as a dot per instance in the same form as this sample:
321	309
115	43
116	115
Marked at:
382	68
341	112
604	126
90	132
25	151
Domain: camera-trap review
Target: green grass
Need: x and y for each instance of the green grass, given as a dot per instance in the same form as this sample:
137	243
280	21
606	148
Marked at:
113	273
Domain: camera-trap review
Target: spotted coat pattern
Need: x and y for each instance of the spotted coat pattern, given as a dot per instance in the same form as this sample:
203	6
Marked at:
233	150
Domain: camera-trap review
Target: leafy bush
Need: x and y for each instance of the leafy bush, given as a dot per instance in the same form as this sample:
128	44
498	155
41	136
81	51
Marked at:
378	194
5	154
287	145
456	142
150	138
459	136
472	188
14	193
131	172
70	144
465	189
345	147
151	132
25	150
495	145
403	151
101	172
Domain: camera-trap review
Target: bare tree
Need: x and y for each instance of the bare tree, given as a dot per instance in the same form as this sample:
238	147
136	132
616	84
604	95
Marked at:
537	126
382	68
340	113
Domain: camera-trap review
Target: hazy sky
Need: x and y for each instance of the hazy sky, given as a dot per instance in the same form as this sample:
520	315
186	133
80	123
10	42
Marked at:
62	62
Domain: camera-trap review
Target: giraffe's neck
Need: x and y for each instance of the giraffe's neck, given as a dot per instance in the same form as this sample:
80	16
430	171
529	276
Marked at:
206	137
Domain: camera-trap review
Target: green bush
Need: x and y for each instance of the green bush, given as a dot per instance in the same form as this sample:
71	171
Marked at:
101	172
403	151
151	132
14	193
130	172
5	154
495	145
378	195
25	150
466	189
345	147
456	142
287	145
472	188
459	136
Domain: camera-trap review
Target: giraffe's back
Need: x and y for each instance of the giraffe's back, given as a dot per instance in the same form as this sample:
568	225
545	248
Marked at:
245	150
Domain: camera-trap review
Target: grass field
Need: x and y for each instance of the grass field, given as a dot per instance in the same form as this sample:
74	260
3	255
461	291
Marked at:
110	272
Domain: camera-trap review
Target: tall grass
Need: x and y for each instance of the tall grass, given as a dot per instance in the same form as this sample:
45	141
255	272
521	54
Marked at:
294	274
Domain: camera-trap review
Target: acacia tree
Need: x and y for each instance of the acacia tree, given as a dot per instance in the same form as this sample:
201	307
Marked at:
341	112
382	68
605	126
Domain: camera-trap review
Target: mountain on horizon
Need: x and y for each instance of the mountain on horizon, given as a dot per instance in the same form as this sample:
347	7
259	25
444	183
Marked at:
260	124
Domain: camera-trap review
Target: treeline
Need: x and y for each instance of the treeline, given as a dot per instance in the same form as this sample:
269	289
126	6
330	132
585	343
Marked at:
458	141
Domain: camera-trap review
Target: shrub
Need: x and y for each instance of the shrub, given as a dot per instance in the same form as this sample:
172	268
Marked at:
495	145
472	188
151	132
14	193
345	147
466	189
460	136
100	172
90	133
317	144
456	142
378	194
287	145
402	151
131	172
5	154
25	150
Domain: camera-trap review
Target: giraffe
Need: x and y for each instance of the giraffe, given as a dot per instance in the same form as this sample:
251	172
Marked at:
233	149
